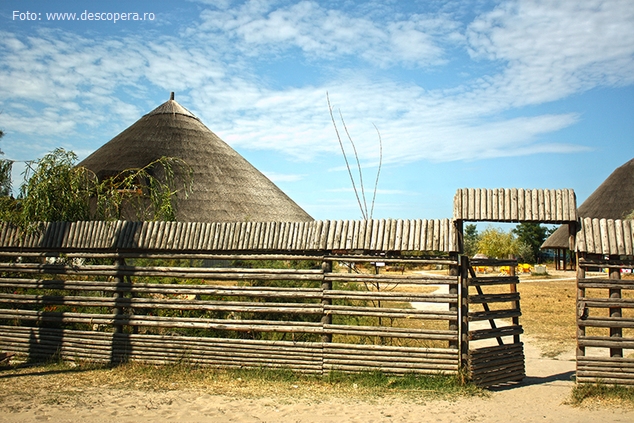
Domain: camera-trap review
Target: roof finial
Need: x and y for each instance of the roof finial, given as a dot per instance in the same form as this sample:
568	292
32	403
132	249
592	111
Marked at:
172	95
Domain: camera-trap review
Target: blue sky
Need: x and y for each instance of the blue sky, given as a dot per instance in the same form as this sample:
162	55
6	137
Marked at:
530	94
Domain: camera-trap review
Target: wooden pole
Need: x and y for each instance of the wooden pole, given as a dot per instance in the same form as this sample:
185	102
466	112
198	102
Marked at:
326	285
453	306
464	312
117	310
581	293
572	242
615	312
516	304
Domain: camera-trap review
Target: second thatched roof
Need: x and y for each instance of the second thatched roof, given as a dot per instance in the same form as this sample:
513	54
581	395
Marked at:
613	199
226	187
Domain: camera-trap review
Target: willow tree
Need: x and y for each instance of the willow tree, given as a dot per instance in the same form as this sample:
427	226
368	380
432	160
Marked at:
5	174
56	189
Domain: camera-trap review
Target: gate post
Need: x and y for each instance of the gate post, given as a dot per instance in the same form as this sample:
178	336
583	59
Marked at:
581	293
118	295
463	313
615	312
454	270
326	317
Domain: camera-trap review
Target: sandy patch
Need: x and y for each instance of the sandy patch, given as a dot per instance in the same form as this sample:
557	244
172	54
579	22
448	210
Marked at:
541	397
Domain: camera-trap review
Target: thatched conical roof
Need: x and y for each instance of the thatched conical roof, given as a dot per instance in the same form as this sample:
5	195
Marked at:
614	199
226	187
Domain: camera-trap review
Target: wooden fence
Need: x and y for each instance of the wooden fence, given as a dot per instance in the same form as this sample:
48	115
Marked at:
326	235
515	205
207	293
202	293
605	307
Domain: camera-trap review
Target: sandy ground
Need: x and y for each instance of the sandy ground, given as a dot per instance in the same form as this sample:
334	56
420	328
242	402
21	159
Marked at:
542	397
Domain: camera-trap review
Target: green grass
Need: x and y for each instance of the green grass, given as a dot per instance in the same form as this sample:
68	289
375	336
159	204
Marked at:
602	393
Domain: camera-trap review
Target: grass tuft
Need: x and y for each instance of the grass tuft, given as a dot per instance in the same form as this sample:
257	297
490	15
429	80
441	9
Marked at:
600	393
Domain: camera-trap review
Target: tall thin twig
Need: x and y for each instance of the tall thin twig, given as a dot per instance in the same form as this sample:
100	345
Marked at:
378	172
345	157
356	156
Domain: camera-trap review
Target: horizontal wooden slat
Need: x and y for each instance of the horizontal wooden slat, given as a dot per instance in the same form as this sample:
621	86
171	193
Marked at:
493	298
178	272
395	313
607	302
493	314
167	303
393	332
390	296
605	283
391	279
475	335
605	264
607	322
164	322
493	280
605	342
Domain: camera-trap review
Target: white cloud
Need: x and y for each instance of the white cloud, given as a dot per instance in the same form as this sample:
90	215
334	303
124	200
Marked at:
53	82
321	33
552	49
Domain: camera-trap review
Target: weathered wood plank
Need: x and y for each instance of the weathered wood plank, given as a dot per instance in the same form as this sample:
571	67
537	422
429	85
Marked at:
471	203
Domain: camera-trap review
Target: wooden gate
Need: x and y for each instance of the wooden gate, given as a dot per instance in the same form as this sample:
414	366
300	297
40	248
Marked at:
494	300
493	316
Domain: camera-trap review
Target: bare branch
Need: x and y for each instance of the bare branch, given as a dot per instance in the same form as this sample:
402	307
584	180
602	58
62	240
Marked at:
343	151
378	172
356	156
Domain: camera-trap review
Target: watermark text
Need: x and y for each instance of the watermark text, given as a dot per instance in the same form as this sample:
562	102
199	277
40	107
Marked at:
114	17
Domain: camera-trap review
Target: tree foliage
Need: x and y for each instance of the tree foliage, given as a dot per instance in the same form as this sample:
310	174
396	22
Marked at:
471	238
496	243
533	236
55	189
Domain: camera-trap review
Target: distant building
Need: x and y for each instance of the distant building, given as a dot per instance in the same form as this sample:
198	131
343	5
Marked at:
613	199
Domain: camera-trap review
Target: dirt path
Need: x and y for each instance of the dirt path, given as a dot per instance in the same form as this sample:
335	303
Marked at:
541	397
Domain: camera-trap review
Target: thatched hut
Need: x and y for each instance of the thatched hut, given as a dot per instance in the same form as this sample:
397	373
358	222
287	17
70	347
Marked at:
226	187
613	199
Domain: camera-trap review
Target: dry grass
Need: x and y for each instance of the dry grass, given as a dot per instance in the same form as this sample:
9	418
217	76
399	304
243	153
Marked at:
63	384
549	314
